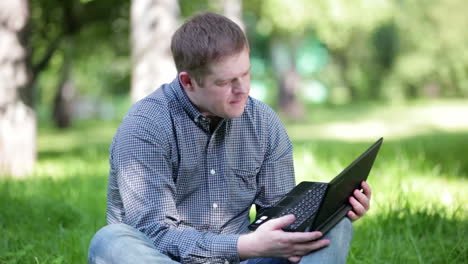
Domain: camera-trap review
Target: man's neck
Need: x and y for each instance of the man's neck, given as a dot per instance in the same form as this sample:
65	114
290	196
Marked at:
214	122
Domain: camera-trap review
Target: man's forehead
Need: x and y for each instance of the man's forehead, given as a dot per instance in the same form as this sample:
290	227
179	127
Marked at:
228	66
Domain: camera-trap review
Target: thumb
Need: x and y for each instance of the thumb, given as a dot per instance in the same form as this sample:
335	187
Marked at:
280	222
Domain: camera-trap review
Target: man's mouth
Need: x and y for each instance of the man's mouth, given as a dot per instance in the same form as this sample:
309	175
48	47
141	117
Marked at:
237	101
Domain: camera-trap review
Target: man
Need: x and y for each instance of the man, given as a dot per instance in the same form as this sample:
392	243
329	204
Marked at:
189	160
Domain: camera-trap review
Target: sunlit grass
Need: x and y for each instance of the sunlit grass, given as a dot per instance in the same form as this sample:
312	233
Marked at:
363	122
419	211
419	208
425	182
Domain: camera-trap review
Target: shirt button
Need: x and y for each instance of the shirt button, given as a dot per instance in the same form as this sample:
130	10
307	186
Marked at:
226	262
212	172
215	205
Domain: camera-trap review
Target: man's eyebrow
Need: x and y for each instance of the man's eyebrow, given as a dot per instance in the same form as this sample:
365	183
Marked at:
222	80
227	79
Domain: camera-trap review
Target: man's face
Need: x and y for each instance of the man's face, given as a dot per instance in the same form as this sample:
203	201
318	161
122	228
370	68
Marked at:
225	88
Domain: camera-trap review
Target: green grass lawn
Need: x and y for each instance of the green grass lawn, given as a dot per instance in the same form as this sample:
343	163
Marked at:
419	211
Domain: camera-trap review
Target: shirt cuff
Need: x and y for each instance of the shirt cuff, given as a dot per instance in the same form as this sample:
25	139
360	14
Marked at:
225	246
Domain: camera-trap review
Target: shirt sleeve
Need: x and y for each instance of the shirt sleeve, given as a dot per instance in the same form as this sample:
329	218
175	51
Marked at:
276	175
144	174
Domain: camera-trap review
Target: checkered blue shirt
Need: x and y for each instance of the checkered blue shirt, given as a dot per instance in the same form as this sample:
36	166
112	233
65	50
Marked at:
190	189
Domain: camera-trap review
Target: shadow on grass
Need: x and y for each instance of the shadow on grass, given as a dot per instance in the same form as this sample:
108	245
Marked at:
444	152
85	151
85	140
408	236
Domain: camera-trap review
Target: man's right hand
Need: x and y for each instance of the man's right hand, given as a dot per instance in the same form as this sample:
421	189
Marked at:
269	240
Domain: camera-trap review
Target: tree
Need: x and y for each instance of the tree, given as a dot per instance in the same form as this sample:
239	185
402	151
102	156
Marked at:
286	31
152	24
62	111
17	117
434	55
76	48
232	9
283	55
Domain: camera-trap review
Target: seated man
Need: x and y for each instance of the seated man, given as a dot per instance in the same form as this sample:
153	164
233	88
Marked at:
189	161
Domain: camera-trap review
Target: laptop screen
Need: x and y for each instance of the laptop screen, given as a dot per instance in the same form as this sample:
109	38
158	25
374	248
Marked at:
343	185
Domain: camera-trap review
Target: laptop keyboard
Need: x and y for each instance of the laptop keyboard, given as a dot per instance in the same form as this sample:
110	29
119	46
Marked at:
310	202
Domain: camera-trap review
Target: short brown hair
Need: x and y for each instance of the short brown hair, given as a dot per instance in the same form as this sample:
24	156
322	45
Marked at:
203	39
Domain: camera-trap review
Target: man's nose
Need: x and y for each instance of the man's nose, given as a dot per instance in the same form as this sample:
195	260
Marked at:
241	86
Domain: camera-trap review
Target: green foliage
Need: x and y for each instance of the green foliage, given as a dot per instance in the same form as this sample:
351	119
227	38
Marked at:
97	37
380	50
433	46
361	50
189	7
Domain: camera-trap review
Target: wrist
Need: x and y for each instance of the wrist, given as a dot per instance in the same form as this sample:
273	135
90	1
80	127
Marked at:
247	247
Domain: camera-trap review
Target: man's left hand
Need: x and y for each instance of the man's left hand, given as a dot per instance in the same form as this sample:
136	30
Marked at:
360	201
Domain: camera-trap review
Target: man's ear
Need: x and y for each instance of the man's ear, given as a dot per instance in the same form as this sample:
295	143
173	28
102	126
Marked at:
186	81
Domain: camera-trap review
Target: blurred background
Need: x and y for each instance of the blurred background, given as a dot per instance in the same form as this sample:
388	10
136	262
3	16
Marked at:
341	73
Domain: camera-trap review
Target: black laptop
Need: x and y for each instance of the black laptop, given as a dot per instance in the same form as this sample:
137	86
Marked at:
319	206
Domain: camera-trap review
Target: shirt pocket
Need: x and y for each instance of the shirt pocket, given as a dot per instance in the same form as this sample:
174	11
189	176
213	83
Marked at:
243	189
246	179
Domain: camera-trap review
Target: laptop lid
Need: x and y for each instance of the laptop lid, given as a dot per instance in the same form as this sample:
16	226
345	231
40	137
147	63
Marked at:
335	203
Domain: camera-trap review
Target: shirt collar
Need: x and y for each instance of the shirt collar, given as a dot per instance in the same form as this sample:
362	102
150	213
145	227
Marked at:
189	107
184	101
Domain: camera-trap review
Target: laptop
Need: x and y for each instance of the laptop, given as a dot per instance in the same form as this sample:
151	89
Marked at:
319	206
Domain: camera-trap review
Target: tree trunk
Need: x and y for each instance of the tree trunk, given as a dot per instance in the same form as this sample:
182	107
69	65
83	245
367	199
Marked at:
63	101
343	66
152	24
288	79
233	10
288	100
17	117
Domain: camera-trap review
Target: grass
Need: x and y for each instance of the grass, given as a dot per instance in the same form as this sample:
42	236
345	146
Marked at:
419	206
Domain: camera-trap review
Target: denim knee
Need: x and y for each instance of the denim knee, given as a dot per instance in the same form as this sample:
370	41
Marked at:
106	239
121	243
110	233
337	251
345	226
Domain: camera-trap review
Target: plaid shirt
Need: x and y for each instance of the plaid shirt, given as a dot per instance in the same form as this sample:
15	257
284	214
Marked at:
190	189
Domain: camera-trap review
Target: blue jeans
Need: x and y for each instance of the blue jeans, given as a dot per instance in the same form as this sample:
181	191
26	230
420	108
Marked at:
123	244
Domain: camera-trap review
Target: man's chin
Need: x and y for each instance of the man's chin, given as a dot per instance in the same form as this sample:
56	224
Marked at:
235	113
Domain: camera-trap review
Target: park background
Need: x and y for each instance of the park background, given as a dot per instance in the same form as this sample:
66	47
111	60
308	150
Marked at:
341	73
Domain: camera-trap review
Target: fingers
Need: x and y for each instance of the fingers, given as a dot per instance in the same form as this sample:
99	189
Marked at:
291	245
290	237
366	189
295	259
301	237
358	208
362	199
278	223
302	249
351	215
